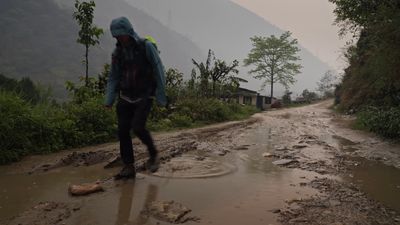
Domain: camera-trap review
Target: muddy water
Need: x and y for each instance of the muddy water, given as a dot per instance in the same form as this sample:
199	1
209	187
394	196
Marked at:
379	181
245	194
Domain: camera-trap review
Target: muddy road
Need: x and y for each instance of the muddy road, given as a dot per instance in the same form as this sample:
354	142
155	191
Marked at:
292	166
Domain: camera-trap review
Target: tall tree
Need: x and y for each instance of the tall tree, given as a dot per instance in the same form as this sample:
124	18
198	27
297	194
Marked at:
216	70
274	59
221	73
357	15
309	96
327	83
173	83
89	34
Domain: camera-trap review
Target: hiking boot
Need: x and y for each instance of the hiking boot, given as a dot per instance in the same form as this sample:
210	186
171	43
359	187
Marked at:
153	163
127	172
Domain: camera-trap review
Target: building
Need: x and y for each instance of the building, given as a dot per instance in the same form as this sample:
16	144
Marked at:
250	97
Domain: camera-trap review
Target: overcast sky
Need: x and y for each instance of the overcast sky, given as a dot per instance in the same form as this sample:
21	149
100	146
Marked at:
310	21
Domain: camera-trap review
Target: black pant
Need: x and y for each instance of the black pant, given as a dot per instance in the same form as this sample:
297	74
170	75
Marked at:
134	116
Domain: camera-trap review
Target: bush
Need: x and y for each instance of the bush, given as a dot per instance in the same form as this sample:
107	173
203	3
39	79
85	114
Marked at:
385	122
45	127
16	127
88	123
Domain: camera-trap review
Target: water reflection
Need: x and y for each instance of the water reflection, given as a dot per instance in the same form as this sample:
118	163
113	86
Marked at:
125	205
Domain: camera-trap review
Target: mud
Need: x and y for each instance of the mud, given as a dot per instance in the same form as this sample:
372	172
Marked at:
291	166
45	213
191	166
169	145
329	146
338	203
76	159
169	211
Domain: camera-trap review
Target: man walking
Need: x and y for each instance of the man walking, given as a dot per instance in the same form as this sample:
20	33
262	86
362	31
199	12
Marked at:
137	76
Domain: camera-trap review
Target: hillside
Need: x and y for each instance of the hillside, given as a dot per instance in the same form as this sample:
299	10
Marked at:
38	40
226	28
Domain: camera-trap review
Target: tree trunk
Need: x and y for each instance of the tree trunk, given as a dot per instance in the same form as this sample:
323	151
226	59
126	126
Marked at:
87	66
272	88
213	88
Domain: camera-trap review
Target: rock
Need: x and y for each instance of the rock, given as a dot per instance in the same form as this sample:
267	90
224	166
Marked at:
242	148
300	146
334	203
168	211
281	148
267	155
221	153
84	189
298	220
283	162
200	158
327	212
275	210
114	162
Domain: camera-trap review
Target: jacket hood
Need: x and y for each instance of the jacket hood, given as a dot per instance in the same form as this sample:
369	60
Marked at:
122	26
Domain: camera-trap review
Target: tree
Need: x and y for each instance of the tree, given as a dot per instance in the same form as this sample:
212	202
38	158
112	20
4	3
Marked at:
204	70
89	34
309	96
173	83
286	98
217	71
326	85
356	15
274	60
101	83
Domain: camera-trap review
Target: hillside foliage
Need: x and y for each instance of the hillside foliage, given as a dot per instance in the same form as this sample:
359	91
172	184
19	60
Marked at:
371	83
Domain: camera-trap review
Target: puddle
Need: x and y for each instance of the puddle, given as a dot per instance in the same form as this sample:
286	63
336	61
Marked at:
241	187
379	181
192	166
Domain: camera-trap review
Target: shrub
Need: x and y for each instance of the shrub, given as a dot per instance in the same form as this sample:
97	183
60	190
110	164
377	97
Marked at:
385	122
16	126
88	123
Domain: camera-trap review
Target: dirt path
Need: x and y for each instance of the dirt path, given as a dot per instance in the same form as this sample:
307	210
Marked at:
305	166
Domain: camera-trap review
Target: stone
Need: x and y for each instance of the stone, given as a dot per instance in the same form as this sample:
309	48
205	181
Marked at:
300	146
84	189
281	148
267	155
114	162
276	211
334	203
168	211
283	162
298	220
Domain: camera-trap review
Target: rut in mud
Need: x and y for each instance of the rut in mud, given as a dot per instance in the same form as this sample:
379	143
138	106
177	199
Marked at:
290	166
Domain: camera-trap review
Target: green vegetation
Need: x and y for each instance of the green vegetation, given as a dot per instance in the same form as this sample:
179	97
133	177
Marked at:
274	59
38	125
89	34
327	84
216	78
384	122
371	84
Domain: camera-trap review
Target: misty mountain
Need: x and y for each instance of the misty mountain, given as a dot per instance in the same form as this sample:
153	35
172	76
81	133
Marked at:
226	28
38	40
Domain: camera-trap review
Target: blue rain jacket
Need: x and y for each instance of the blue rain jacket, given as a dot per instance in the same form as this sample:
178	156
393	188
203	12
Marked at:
122	26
